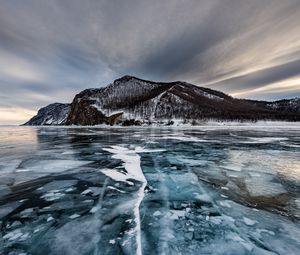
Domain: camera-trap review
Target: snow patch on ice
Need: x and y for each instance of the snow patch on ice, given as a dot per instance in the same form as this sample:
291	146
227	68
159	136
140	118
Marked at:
157	213
249	222
225	203
131	160
117	176
233	167
16	234
74	216
176	214
94	209
85	192
52	195
184	139
203	197
50	219
112	241
266	139
113	188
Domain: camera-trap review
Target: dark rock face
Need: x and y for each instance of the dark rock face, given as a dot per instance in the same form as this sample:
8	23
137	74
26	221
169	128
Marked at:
84	113
131	101
53	114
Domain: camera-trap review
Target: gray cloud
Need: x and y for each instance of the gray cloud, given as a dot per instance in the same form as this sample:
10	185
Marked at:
50	50
260	78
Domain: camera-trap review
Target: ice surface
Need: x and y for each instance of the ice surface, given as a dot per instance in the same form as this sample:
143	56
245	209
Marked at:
256	187
207	190
50	166
8	208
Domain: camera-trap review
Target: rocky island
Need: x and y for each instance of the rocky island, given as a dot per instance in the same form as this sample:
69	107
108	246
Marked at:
133	101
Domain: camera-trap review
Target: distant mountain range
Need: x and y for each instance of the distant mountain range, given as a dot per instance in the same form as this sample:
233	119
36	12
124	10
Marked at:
133	101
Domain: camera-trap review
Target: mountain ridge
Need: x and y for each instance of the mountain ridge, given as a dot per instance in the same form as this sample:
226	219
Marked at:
142	101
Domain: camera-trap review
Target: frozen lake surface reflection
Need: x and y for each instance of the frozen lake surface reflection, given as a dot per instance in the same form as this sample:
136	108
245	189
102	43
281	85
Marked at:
205	190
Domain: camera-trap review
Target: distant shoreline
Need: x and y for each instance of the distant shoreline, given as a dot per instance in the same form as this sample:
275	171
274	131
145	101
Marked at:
212	124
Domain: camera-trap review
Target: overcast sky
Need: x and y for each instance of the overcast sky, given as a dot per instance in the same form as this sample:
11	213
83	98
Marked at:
51	50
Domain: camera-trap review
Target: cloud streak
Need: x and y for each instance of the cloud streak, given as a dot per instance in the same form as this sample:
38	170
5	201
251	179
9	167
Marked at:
50	50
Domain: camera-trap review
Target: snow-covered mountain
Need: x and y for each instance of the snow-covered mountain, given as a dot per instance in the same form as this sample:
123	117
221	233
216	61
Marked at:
286	105
130	100
53	114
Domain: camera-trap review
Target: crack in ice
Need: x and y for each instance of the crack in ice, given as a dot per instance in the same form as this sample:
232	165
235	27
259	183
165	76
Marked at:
132	164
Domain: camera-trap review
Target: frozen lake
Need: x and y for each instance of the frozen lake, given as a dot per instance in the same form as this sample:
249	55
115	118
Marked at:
205	190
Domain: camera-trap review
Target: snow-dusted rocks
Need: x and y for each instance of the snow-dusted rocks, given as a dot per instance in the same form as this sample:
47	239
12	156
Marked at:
53	114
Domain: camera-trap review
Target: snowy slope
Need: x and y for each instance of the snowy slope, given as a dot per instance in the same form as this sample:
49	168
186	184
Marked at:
53	114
